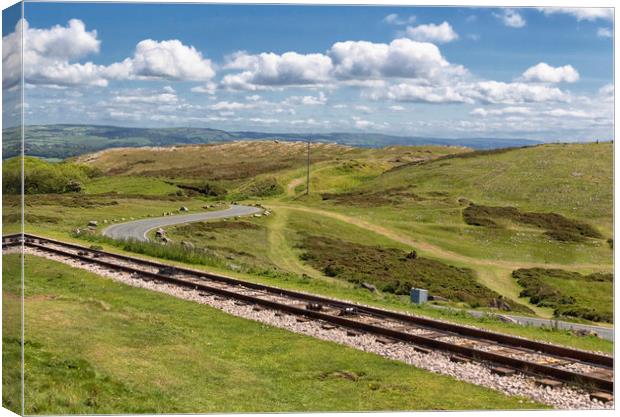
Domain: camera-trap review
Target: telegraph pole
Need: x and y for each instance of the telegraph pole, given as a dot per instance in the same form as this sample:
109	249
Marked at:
308	171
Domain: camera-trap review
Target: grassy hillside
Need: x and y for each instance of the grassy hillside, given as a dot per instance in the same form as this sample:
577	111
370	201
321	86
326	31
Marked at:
574	180
124	349
487	212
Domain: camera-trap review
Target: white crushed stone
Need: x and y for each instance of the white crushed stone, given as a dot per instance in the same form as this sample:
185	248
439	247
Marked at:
515	385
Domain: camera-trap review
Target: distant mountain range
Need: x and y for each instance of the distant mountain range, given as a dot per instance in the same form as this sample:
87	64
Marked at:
64	140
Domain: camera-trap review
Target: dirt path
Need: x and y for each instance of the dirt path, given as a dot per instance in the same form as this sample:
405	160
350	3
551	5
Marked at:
290	188
282	254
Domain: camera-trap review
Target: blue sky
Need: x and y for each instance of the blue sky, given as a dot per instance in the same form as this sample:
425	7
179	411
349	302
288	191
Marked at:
443	72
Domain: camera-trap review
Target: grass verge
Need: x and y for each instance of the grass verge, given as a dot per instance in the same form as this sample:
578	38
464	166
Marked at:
96	346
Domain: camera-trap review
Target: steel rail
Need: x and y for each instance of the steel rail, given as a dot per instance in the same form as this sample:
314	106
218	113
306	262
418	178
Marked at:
469	352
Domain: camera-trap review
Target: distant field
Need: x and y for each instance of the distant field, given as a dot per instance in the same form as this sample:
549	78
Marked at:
64	140
106	348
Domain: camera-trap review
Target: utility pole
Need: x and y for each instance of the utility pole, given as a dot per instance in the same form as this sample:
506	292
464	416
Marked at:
308	171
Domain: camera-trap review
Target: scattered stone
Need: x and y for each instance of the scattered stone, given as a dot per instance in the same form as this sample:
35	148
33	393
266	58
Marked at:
584	332
505	319
105	221
548	383
183	209
500	370
603	397
368	286
187	245
93	223
257	215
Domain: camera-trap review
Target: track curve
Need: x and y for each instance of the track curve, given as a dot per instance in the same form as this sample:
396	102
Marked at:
138	229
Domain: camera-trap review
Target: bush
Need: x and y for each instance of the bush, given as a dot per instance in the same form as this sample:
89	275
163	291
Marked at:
42	177
536	287
556	226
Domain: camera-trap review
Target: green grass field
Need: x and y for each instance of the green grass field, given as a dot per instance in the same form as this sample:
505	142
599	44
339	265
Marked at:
108	348
407	198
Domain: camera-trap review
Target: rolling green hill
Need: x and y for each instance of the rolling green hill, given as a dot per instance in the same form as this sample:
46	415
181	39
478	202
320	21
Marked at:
480	214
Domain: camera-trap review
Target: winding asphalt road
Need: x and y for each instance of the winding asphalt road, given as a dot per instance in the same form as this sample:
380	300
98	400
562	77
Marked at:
138	229
602	332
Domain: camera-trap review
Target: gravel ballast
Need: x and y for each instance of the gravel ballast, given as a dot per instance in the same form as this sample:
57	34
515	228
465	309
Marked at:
515	385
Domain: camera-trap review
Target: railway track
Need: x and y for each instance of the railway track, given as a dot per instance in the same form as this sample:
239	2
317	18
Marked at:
552	365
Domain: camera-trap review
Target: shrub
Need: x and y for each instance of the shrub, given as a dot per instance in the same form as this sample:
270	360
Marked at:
42	177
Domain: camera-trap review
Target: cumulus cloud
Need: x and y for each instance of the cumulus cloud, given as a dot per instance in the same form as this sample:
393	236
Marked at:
395	19
51	58
48	55
604	33
170	60
582	13
545	73
441	33
401	58
513	93
511	18
273	70
359	63
422	94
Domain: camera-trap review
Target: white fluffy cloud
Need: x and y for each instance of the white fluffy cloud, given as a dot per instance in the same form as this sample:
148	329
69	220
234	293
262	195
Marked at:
491	92
511	18
51	55
406	92
604	33
171	60
441	33
545	73
582	13
401	58
273	70
514	93
348	61
48	54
